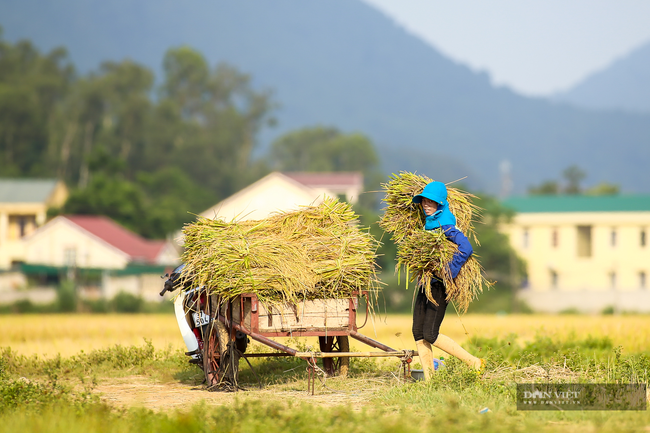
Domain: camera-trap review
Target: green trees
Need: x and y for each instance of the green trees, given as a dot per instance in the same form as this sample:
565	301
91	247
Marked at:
494	250
213	118
572	176
324	149
141	154
31	86
327	149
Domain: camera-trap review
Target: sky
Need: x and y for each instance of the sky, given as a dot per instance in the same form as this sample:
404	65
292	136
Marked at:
535	47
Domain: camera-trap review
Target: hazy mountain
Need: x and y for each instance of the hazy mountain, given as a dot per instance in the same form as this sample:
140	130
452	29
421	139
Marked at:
342	63
624	85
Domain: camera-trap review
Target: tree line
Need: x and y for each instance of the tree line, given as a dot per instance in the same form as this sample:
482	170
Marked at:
143	151
570	184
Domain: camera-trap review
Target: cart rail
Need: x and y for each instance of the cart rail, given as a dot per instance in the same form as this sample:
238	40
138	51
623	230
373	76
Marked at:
318	354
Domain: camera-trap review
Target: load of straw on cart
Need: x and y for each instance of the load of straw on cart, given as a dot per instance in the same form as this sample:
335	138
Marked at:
316	252
425	255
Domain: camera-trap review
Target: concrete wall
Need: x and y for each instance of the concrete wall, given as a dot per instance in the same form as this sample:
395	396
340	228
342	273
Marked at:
43	295
12	289
12	281
587	301
147	286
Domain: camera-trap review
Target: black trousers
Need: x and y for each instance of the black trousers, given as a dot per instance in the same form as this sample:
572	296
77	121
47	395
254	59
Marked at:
427	316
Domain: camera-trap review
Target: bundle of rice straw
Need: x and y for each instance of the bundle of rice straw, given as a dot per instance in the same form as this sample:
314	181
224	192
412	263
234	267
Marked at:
317	252
425	255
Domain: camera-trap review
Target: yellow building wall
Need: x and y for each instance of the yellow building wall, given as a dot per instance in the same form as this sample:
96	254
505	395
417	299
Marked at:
58	196
626	259
12	247
33	215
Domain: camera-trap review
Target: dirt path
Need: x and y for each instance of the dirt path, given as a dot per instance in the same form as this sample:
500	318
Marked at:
142	391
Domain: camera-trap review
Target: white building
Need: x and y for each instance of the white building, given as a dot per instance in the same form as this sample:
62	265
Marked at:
126	261
286	191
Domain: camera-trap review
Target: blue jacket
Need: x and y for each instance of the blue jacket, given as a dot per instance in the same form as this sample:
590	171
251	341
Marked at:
464	248
445	220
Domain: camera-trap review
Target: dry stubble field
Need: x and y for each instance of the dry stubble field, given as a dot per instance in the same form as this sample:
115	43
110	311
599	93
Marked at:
49	335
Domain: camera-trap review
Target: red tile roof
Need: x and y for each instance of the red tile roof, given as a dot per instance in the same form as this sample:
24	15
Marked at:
327	179
138	248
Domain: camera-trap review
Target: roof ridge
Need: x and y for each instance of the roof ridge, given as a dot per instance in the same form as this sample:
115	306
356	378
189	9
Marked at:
118	236
580	203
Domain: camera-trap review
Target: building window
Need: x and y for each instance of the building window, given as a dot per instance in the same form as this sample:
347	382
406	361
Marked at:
554	238
612	279
554	279
642	238
526	238
642	280
70	257
584	241
21	226
612	238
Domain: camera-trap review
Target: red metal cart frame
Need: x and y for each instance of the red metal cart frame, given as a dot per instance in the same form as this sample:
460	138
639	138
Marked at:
246	314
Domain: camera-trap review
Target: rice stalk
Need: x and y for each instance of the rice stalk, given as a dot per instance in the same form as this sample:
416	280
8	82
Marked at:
402	217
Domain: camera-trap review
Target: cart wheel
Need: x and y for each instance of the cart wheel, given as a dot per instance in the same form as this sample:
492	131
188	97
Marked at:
229	359
335	366
216	339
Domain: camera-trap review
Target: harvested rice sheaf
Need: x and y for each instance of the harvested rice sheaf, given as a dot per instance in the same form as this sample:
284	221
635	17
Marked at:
425	255
402	217
317	252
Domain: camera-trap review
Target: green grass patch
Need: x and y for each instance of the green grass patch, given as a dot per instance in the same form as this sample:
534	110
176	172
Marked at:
55	395
446	413
116	361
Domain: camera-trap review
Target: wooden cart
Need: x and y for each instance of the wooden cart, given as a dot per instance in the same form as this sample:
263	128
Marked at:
333	321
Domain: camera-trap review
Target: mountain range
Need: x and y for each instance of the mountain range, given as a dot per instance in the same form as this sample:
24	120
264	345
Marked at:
342	63
622	85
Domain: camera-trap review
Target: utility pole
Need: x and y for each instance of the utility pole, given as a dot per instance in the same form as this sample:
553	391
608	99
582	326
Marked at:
505	168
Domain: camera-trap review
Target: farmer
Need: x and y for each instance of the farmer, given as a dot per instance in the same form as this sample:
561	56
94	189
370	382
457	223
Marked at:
427	316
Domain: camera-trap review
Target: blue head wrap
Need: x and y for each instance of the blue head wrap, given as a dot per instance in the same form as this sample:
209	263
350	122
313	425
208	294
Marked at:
436	191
